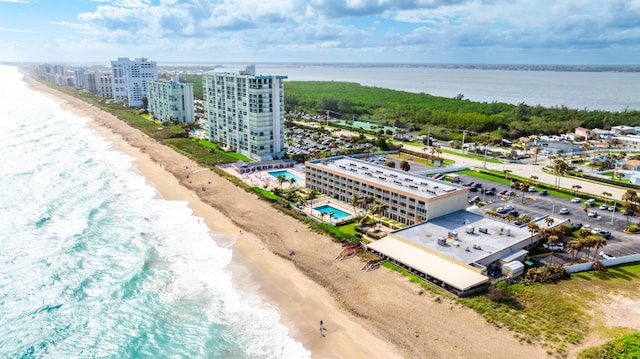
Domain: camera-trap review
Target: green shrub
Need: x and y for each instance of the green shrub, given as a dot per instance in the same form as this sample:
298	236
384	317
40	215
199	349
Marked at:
548	274
624	347
633	228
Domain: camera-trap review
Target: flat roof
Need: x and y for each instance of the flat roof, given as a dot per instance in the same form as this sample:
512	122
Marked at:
454	274
383	175
469	247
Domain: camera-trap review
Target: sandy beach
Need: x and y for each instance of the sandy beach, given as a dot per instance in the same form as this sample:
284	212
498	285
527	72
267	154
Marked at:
377	314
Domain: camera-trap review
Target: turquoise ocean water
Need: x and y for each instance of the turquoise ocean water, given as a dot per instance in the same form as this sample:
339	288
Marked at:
93	263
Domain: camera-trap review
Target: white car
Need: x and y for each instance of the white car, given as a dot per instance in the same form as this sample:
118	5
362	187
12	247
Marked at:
592	214
604	207
556	247
575	200
601	232
564	210
606	255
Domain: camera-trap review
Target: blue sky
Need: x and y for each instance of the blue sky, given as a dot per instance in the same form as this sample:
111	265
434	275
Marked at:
592	32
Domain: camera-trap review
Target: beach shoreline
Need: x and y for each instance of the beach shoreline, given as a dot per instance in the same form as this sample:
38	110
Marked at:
377	314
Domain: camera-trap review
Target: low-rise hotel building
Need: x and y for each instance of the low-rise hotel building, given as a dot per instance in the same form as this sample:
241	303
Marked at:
410	198
171	100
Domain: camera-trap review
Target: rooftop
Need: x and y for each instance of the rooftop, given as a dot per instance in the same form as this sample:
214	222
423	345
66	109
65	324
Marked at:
474	247
383	175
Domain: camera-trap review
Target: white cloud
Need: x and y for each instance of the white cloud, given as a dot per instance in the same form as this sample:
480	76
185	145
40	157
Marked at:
14	30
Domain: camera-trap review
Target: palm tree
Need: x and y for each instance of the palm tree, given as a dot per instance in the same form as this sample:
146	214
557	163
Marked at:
292	181
281	180
619	175
630	199
331	214
576	188
534	178
589	242
355	202
533	229
606	195
368	201
585	208
575	247
549	221
599	242
524	187
379	210
552	241
536	151
426	158
312	195
560	168
506	173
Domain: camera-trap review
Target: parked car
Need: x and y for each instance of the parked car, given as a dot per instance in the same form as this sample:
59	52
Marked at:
513	212
474	200
473	189
628	212
575	200
592	214
532	189
544	192
564	210
601	232
555	247
577	225
502	210
611	208
503	192
606	255
518	223
511	193
590	202
490	193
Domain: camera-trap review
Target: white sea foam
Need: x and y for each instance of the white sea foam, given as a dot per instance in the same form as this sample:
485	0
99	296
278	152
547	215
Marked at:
94	263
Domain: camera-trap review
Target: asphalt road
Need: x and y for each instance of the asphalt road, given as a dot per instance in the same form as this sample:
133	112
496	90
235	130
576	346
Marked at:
537	205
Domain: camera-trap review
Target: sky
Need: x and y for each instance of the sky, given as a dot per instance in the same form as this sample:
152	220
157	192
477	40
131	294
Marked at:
546	32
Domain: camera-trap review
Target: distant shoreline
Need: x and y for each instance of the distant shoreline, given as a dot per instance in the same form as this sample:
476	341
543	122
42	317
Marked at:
470	66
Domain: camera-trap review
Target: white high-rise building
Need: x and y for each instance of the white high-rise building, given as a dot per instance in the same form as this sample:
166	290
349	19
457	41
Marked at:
130	79
105	85
245	112
79	76
171	100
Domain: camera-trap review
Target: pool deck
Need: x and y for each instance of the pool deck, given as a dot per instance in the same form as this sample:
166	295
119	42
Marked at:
262	178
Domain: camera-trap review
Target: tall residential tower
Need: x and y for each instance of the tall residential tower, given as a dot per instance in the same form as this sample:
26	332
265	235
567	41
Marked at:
130	79
171	100
245	112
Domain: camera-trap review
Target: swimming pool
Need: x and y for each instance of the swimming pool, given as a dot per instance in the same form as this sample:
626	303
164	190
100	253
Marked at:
287	175
337	214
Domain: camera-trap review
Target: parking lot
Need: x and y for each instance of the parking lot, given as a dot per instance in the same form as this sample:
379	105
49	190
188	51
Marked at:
537	205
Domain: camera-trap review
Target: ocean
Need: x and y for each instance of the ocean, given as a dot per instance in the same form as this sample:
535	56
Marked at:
94	263
607	91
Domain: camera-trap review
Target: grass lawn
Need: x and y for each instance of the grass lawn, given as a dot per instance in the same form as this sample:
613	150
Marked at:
471	155
553	315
